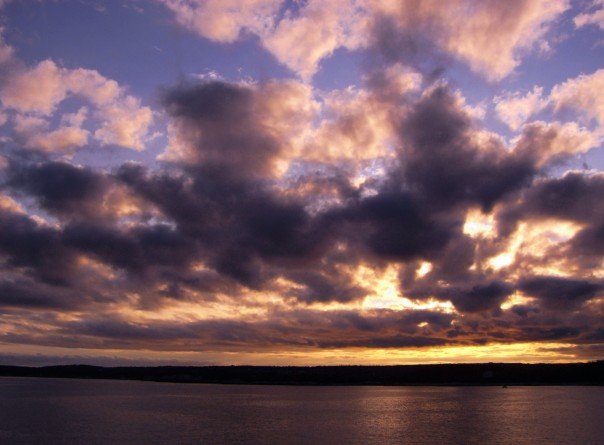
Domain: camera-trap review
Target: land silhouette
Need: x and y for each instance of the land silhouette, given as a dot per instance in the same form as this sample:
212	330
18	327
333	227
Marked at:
483	374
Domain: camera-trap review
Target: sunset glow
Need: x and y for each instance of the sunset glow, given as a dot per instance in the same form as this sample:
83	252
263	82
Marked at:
301	182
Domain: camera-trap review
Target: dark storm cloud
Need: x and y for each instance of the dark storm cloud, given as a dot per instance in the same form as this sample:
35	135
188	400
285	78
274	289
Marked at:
36	248
561	293
221	122
324	287
239	223
394	226
29	294
523	310
574	196
552	334
477	298
134	249
221	201
445	167
59	187
481	297
589	241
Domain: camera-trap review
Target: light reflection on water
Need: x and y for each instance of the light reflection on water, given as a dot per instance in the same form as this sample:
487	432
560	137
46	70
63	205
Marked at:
100	411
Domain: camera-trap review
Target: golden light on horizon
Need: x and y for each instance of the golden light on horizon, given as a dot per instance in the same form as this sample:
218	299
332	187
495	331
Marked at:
513	352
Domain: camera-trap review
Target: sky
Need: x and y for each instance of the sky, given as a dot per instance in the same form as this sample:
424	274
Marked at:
301	182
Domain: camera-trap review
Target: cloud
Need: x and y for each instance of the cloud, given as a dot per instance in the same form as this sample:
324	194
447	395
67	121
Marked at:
578	95
6	51
574	196
237	221
285	219
395	226
515	109
26	243
270	122
555	292
551	141
573	199
443	162
93	86
30	295
15	359
37	93
39	89
59	187
9	204
220	208
207	113
287	36
125	123
581	95
594	15
243	237
356	124
34	133
301	40
478	298
135	249
490	37
222	20
323	330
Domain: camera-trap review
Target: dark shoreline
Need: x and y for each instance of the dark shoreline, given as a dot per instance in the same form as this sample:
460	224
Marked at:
480	374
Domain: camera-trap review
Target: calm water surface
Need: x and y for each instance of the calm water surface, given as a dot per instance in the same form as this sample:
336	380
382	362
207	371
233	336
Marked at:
56	411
